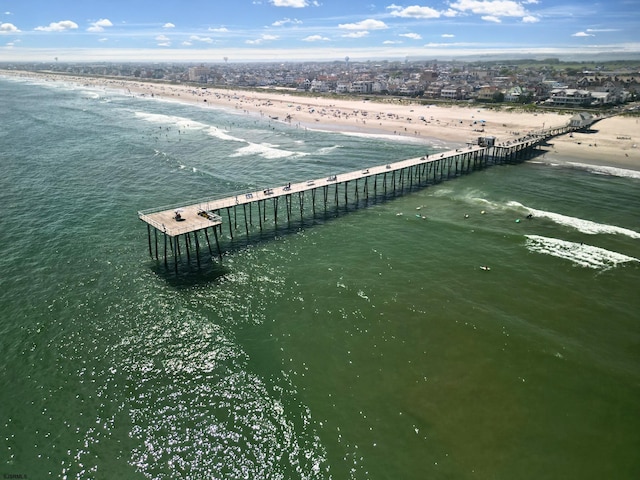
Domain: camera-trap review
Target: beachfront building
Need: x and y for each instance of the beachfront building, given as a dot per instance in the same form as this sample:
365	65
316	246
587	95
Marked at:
487	93
453	93
514	94
569	97
320	86
199	74
433	90
361	86
581	120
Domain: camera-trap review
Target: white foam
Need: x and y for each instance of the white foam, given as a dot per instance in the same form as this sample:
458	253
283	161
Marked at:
223	135
180	122
604	170
264	150
329	150
582	225
578	253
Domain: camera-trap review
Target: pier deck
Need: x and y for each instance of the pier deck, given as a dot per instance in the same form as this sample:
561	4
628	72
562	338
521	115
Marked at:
197	216
201	215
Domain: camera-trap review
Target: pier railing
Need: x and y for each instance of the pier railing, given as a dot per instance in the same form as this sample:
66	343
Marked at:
187	219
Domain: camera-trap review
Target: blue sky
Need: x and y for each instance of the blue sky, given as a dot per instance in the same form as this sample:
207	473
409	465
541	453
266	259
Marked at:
277	30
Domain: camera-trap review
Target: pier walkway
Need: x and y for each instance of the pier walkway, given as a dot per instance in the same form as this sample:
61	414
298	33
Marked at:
202	214
187	220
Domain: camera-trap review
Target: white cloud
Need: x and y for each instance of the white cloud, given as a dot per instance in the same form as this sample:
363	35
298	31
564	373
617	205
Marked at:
197	38
168	25
263	38
163	41
187	43
391	42
361	34
290	3
102	40
286	21
582	34
414	11
99	25
433	44
315	38
219	30
495	8
603	29
8	28
447	35
414	36
368	24
58	26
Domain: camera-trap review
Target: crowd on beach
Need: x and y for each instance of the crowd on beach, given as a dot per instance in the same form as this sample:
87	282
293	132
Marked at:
612	140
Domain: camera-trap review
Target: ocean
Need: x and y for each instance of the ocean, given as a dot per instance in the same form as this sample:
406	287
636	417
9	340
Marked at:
359	344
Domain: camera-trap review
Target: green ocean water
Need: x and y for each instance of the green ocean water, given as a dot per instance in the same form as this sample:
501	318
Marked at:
365	344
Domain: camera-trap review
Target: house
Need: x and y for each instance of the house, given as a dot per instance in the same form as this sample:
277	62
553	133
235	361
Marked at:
433	91
569	97
487	93
452	93
581	120
513	94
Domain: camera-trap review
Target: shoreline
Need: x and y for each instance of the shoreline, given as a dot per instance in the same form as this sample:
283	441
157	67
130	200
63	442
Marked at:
611	142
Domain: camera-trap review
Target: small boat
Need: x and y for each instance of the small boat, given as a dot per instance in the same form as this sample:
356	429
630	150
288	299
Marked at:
484	267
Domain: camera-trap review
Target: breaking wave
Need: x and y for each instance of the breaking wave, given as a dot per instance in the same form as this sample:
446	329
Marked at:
604	170
582	225
578	253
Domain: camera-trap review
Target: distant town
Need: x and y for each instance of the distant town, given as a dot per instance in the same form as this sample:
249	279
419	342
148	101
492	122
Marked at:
549	82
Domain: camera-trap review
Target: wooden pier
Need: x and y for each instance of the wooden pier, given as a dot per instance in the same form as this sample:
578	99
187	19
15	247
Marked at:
181	227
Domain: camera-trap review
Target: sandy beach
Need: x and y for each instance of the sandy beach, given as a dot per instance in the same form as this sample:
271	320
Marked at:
612	141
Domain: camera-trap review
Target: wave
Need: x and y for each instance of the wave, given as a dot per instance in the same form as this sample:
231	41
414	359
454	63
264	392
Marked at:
329	150
584	226
265	150
578	253
223	135
181	122
604	170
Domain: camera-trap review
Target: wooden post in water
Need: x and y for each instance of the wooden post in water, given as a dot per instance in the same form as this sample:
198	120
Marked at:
155	235
301	200
215	233
187	240
206	235
229	218
149	237
275	210
175	253
246	225
165	250
195	237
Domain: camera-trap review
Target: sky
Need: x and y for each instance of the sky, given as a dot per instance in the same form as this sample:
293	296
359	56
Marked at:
211	31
